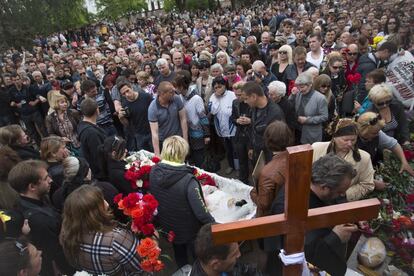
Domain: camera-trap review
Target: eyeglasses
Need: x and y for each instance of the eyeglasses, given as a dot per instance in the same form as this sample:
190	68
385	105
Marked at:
282	52
352	54
384	103
336	67
233	36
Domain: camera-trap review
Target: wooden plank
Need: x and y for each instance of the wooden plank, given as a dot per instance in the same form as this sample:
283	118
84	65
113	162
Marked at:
343	213
297	187
252	229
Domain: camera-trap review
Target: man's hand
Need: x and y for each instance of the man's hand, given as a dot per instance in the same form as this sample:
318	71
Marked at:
250	154
344	231
206	140
302	119
243	121
294	91
380	185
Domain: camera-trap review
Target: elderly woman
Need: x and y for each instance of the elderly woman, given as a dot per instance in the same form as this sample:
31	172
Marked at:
344	144
284	58
181	204
277	137
88	223
63	122
391	111
277	94
373	140
311	110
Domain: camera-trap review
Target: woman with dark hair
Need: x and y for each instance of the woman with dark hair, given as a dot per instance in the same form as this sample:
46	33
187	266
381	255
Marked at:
113	152
19	257
53	150
88	223
220	106
198	124
148	67
391	27
344	144
278	137
204	81
15	137
195	72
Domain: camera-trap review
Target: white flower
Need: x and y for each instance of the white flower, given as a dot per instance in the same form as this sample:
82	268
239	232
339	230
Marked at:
139	183
386	201
396	215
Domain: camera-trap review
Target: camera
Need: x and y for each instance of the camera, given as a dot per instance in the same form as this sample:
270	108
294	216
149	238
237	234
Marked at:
126	111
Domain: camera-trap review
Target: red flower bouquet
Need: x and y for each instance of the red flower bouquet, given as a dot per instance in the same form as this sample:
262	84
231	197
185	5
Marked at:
138	171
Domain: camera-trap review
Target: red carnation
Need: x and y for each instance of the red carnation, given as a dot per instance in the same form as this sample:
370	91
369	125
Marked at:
409	155
148	229
396	226
131	200
409	199
117	198
171	236
155	159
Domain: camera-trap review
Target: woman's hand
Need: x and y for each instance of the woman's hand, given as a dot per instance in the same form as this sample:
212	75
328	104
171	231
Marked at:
380	185
406	167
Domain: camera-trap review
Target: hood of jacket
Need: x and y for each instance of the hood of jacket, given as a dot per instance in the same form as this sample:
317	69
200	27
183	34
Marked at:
167	175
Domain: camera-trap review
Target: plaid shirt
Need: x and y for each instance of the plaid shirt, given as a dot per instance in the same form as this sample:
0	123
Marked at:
111	253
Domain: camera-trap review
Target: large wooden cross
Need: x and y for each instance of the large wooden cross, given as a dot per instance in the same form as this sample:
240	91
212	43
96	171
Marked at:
297	219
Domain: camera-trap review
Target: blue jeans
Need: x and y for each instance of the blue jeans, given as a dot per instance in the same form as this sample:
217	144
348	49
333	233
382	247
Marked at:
136	142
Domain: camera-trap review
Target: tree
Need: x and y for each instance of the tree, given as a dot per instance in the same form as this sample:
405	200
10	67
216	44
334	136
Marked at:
22	20
113	9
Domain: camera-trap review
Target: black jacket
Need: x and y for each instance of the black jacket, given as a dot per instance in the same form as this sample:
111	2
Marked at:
91	136
26	152
366	64
55	171
45	225
181	203
116	171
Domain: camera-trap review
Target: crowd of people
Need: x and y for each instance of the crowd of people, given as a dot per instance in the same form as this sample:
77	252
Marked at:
194	88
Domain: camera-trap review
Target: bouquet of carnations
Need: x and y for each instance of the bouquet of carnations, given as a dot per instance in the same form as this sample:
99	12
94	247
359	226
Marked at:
141	209
138	171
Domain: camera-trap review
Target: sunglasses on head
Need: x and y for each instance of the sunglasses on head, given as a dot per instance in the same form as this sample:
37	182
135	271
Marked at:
371	122
384	103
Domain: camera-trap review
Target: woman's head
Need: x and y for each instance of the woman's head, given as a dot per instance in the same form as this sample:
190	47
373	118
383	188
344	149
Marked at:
75	169
115	147
285	54
277	90
85	211
13	135
278	136
345	135
18	257
223	58
380	95
53	148
175	149
369	124
335	64
182	81
322	84
304	82
219	86
144	78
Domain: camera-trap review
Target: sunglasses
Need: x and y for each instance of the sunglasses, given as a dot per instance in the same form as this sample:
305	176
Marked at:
371	122
384	103
394	23
352	54
82	73
337	67
282	52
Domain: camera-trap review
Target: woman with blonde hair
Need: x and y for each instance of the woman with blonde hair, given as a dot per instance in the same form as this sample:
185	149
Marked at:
88	224
181	204
391	111
63	122
53	150
373	140
284	58
344	144
223	58
145	80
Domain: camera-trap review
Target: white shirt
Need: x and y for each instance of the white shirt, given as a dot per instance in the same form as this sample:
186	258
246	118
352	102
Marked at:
221	108
316	62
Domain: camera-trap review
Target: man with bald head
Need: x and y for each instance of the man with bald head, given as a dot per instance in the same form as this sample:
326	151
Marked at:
352	56
264	45
261	75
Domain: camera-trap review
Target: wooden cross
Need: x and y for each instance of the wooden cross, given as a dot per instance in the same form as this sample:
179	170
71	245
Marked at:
297	219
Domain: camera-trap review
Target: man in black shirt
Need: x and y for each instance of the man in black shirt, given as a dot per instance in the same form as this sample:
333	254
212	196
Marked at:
134	116
264	112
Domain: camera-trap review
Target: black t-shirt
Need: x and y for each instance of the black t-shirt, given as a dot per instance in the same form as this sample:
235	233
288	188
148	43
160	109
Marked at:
138	114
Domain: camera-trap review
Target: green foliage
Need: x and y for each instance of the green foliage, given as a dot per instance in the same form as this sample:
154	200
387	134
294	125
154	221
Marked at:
191	5
113	9
21	20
